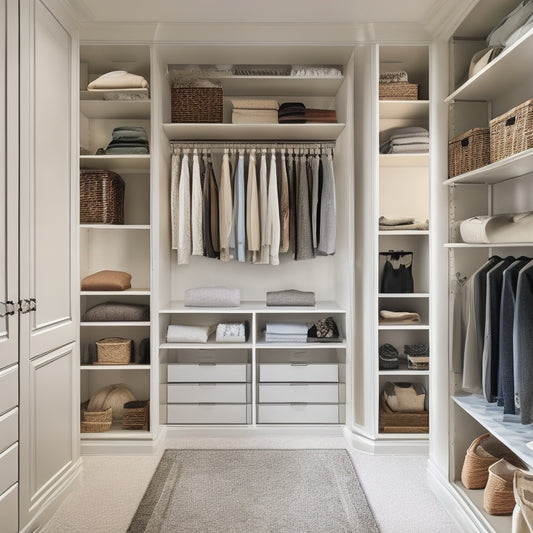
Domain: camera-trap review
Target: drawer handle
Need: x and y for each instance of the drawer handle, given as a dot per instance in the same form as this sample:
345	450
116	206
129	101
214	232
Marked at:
207	364
510	121
299	364
299	384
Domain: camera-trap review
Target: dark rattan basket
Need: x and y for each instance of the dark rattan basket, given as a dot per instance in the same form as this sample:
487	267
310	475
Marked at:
512	132
101	197
402	421
468	151
136	415
197	104
398	91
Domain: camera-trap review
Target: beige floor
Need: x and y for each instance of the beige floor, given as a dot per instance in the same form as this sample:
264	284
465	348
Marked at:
111	488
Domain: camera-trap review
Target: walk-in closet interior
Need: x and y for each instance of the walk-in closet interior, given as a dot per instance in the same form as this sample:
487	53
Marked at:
382	148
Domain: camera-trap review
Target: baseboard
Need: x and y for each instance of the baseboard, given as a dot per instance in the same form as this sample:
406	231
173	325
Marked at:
50	504
468	518
123	447
388	446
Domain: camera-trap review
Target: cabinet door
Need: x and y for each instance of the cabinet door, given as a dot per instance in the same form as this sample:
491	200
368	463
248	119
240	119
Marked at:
8	182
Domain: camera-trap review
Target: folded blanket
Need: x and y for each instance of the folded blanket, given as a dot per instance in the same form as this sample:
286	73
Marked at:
212	297
117	311
498	228
398	221
118	79
272	337
408	131
290	297
231	332
409	139
254	116
414	226
407	149
130	133
106	280
122	149
129	143
178	333
242	103
395	317
286	328
394	77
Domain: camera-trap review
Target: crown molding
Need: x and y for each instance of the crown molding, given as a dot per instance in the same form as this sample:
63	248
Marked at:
443	18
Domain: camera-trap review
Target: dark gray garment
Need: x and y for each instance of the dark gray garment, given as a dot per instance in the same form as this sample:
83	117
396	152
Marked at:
523	341
304	243
328	210
209	198
315	163
291	175
491	346
507	309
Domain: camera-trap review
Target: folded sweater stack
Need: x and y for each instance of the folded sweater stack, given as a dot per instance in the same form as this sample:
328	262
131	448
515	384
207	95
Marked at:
401	223
247	111
120	85
408	140
128	140
285	332
297	113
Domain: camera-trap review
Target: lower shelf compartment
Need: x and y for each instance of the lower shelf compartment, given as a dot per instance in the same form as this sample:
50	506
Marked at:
116	432
300	413
209	413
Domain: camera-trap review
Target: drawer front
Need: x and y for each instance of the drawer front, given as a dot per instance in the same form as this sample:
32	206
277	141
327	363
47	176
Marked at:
9	389
9	467
298	414
9	428
299	372
208	414
208	393
9	502
299	392
207	372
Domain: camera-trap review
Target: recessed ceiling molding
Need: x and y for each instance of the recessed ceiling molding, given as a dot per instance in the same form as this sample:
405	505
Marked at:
443	18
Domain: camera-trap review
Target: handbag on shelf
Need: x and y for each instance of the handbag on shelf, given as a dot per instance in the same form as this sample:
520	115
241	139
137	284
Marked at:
397	276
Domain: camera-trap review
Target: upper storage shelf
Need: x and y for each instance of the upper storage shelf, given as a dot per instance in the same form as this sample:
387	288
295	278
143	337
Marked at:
123	109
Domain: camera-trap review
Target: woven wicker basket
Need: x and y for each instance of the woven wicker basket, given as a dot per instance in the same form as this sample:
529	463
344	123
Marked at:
498	497
481	454
136	415
101	197
95	421
197	104
402	421
512	132
113	351
398	91
468	151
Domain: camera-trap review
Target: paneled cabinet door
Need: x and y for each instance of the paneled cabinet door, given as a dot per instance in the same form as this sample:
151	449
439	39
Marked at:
8	187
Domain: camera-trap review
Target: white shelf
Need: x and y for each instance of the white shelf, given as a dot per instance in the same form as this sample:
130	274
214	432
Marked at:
115	324
399	232
112	162
299	345
253	307
407	327
127	109
127	292
401	372
403	436
115	367
506	169
210	344
501	74
253	132
491	245
404	109
403	295
404	160
514	435
117	433
115	226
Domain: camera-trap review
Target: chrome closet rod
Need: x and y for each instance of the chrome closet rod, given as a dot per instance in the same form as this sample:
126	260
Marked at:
250	145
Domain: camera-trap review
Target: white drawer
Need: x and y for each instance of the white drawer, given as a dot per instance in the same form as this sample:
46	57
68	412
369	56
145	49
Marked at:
208	393
326	372
299	392
9	388
9	502
208	413
9	429
9	467
298	414
207	372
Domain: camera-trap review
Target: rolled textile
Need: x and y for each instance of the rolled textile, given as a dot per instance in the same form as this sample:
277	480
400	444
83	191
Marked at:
290	297
118	79
284	328
212	297
106	280
179	333
117	311
398	316
254	116
231	332
247	103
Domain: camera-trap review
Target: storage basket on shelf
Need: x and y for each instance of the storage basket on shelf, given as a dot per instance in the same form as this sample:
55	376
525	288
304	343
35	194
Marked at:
402	421
196	101
136	415
113	351
398	91
468	151
101	197
95	421
512	132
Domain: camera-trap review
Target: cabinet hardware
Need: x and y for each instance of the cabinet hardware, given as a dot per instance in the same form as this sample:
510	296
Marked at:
24	306
7	308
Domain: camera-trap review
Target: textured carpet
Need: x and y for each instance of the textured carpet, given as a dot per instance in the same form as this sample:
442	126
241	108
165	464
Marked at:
255	491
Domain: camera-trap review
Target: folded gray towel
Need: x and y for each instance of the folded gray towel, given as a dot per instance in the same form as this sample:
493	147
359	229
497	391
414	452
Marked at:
290	297
212	297
117	311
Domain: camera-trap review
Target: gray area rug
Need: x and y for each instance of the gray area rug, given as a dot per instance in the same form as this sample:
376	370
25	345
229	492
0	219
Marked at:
254	491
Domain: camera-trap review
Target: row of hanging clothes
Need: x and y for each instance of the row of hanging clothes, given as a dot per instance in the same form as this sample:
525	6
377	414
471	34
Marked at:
493	312
251	203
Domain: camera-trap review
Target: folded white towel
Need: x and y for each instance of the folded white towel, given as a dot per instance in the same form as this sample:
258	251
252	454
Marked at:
179	333
254	116
272	337
417	148
118	79
231	333
410	140
286	329
247	103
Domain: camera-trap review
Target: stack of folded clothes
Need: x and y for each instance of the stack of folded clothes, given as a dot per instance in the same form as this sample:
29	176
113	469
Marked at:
297	113
246	111
284	332
388	357
394	77
232	332
120	85
398	317
417	356
128	140
408	140
401	223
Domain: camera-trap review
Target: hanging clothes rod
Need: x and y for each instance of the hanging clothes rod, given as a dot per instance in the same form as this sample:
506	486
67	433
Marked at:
251	145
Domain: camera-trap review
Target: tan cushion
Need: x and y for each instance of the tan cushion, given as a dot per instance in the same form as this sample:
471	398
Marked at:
106	280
